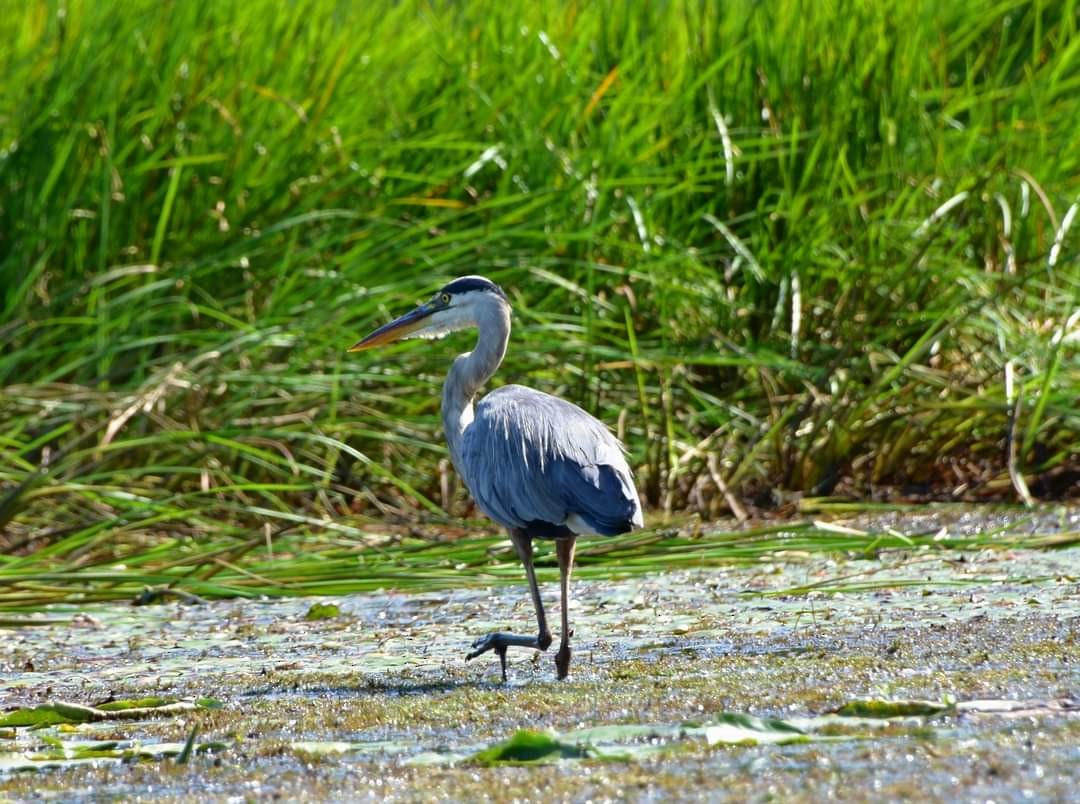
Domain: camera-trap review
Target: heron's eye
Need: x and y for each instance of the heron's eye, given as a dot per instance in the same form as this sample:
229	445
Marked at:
445	298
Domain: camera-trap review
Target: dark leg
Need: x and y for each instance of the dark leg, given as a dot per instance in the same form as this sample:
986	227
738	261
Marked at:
565	549
499	641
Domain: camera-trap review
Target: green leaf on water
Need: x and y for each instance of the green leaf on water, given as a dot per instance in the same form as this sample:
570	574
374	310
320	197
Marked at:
51	741
732	728
75	753
170	749
322	611
94	749
49	714
891	709
22	762
528	746
59	712
135	703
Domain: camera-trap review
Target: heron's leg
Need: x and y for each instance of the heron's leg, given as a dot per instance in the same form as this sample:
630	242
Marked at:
565	549
500	641
524	547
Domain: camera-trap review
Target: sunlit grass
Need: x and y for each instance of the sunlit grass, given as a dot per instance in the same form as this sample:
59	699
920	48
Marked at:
781	246
84	568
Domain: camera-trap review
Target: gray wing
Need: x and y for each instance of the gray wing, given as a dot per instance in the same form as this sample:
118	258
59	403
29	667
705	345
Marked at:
531	459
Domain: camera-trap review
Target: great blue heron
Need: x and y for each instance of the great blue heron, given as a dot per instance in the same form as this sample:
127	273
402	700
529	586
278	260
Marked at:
539	466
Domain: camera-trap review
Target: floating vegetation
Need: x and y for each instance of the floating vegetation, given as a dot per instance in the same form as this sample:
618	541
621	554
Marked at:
322	611
891	709
61	754
50	714
527	746
707	672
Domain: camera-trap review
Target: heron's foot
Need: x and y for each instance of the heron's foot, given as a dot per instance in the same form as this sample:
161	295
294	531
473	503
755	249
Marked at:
497	642
500	641
490	642
562	661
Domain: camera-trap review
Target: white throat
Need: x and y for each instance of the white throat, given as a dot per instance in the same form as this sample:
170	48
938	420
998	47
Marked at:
491	316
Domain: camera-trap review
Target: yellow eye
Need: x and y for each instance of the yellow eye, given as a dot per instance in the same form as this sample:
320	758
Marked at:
445	298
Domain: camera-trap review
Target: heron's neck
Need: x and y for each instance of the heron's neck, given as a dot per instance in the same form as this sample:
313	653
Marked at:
471	370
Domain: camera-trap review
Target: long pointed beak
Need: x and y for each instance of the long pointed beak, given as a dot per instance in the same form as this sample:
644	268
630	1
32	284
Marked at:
396	330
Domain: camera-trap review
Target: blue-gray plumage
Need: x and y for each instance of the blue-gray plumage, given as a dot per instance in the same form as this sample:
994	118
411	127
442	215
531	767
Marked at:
535	462
537	465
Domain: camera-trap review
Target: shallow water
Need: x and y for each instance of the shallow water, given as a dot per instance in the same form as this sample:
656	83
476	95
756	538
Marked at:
379	701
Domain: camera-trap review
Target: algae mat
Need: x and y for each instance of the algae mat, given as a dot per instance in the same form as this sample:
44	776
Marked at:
926	675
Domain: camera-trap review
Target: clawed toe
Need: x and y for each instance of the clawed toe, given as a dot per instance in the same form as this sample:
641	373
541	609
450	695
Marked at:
495	642
483	645
499	642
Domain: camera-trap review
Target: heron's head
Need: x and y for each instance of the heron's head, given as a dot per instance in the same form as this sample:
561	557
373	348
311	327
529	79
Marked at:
457	305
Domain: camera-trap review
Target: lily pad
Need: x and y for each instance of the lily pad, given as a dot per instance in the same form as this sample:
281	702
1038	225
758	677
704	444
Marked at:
530	747
135	703
49	714
59	712
732	728
322	611
893	709
75	753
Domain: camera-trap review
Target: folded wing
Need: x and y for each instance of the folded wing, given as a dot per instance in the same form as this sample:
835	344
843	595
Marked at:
533	460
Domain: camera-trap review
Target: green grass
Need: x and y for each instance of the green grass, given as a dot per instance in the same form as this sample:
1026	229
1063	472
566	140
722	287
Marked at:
225	566
784	245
